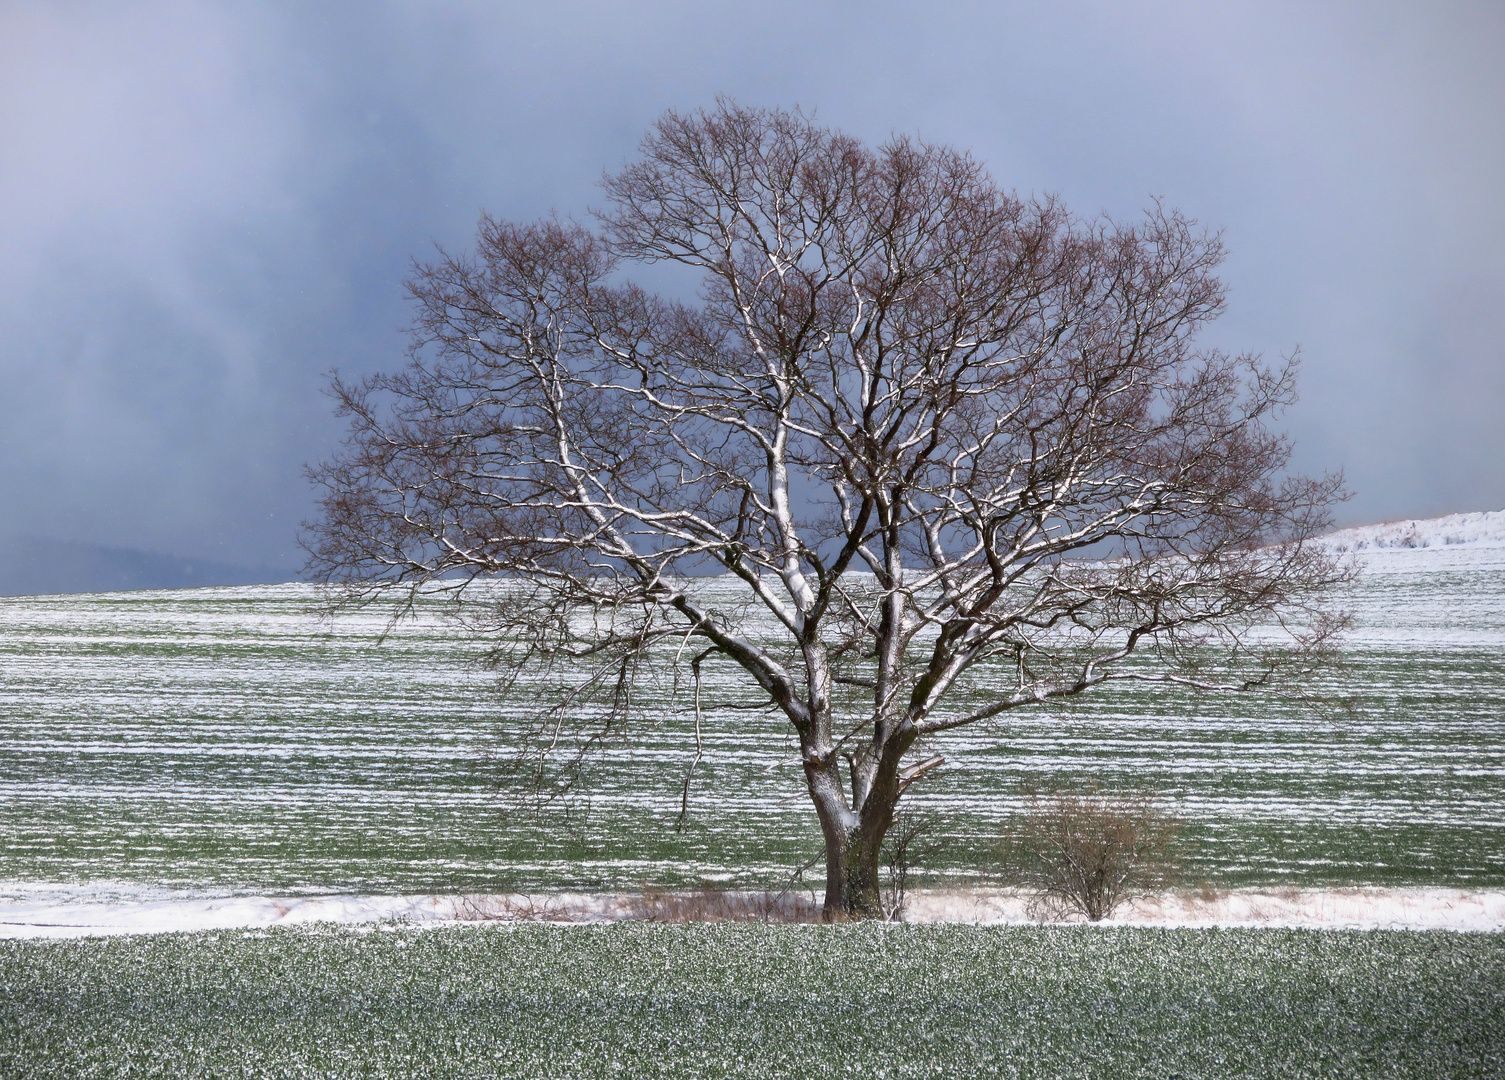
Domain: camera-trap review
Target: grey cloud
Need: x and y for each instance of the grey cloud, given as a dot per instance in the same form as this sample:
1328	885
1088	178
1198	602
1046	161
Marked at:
210	205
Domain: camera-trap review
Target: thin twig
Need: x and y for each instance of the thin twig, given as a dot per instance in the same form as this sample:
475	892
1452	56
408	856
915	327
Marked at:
684	797
800	873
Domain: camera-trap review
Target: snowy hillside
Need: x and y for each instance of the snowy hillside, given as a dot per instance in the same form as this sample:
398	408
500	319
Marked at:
1485	529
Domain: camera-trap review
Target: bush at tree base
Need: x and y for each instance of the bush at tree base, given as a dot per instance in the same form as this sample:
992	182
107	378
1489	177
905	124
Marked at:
1089	852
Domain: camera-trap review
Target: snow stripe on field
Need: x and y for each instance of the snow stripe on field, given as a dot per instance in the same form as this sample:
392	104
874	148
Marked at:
1333	909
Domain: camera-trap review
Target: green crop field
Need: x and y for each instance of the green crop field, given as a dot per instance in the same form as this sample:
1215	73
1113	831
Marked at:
645	1000
225	741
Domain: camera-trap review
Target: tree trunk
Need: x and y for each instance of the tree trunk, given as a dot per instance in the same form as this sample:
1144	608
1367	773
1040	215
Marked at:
852	887
854	841
861	894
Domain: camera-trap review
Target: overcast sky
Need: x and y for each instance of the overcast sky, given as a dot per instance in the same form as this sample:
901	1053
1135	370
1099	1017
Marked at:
204	207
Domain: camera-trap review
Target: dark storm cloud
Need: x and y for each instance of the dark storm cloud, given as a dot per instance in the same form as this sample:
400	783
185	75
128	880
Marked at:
209	205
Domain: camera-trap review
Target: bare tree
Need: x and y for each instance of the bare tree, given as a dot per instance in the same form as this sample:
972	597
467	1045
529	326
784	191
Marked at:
958	450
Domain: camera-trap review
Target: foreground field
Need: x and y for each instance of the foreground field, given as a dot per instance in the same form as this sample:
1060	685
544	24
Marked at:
761	1001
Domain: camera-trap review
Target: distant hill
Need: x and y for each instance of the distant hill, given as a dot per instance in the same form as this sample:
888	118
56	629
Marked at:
1486	529
35	565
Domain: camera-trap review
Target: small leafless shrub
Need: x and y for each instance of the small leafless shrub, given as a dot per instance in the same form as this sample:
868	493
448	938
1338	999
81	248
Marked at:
912	840
716	905
1088	853
514	908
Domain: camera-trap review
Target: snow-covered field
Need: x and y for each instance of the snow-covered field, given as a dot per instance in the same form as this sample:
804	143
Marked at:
215	747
